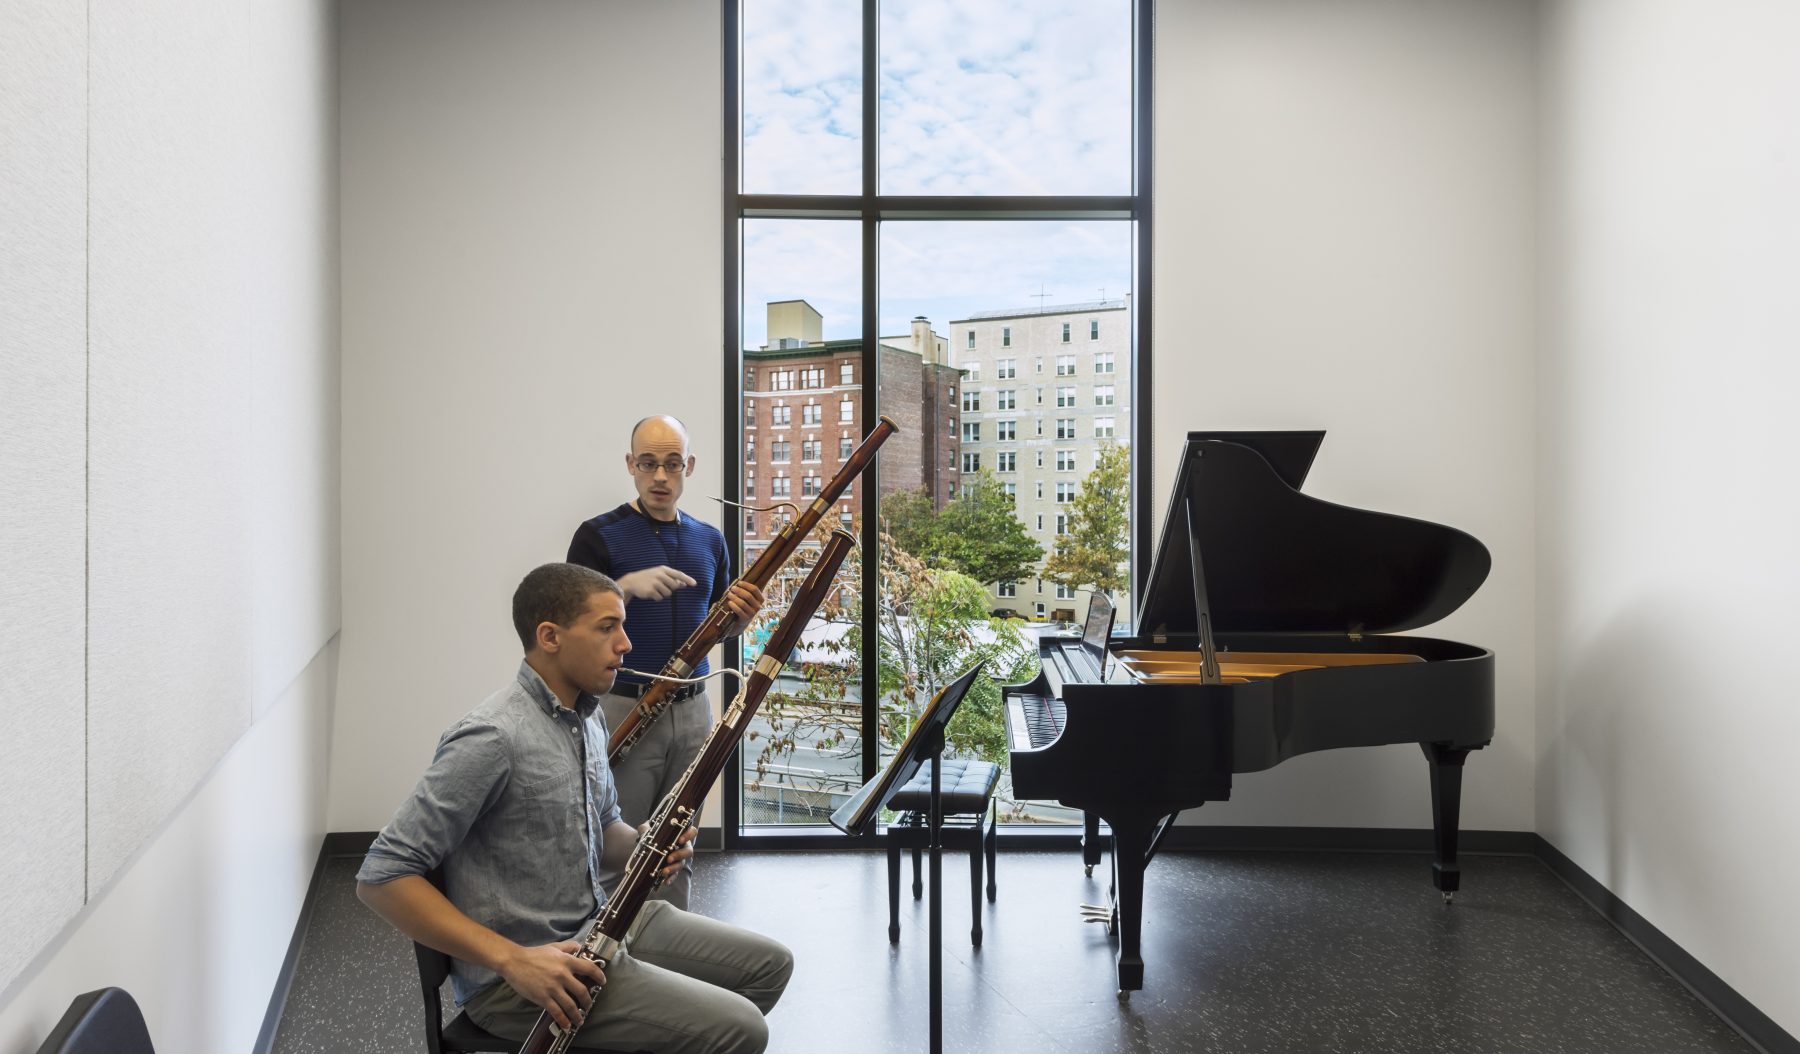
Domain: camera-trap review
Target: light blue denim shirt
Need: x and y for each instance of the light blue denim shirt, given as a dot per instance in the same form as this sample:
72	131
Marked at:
512	811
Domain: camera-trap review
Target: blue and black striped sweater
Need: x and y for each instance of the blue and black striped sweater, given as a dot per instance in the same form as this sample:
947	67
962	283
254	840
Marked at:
624	540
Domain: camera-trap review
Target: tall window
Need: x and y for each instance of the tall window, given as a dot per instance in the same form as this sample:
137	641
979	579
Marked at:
899	222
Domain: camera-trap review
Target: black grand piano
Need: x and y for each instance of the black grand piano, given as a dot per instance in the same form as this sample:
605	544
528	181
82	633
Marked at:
1265	632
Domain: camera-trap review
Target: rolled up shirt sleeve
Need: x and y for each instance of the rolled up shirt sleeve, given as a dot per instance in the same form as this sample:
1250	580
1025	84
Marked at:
465	779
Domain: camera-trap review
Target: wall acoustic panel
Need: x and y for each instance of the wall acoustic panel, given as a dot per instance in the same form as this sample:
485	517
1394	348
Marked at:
42	405
170	620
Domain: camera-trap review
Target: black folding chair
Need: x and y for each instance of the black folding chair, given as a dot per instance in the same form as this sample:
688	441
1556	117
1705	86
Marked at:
106	1021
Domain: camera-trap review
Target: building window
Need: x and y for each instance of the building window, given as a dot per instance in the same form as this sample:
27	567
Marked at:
1039	607
1103	362
1103	427
846	373
1065	428
1006	336
781	487
1094	329
1006	369
749	378
1040	526
1062	524
950	425
809	486
1065	365
750	412
845	518
1040	494
779	451
1011	490
846	411
1065	592
1065	397
1040	459
749	523
1006	399
971	343
781	415
971	432
781	380
1065	339
845	446
811	449
1006	461
812	414
1103	395
1005	589
750	452
1065	461
971	401
749	484
971	372
972	461
1065	492
812	377
1004	431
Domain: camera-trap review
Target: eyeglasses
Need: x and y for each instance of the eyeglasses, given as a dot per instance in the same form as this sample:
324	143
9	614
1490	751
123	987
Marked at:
648	466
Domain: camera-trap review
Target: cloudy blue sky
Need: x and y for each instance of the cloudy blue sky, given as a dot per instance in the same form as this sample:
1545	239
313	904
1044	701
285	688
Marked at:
995	97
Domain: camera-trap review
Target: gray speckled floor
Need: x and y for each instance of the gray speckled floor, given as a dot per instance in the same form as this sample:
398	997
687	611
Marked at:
1244	953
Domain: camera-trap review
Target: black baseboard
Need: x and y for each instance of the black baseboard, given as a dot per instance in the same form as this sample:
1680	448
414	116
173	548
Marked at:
1732	1008
284	981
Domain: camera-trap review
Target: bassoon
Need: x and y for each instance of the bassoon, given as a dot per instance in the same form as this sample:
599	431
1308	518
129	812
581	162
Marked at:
681	805
657	696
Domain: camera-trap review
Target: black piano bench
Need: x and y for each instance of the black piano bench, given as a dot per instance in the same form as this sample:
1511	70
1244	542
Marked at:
970	822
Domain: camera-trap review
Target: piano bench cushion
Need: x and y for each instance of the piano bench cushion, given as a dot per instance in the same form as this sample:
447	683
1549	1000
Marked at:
966	787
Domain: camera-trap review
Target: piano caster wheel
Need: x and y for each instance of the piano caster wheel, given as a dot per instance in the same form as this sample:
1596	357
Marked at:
1450	898
1124	995
1088	869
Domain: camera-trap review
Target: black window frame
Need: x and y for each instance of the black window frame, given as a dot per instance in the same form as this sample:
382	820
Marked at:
869	209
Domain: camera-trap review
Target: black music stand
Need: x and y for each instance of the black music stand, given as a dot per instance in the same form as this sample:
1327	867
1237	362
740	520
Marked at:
858	816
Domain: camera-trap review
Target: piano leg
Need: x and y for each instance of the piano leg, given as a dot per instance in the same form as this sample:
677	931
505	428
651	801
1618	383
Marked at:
1446	805
1131	846
1090	841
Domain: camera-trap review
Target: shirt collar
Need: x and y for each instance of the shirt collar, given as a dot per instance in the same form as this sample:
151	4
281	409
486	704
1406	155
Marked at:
585	703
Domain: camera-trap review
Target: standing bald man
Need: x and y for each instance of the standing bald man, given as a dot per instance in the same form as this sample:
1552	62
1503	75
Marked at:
673	568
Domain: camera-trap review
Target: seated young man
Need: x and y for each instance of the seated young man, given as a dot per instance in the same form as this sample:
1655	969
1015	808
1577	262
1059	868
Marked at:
519	813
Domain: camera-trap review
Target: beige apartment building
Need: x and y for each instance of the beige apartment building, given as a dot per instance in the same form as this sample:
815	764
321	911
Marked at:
1043	389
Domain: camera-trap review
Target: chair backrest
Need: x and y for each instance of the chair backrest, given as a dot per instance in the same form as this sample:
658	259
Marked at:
106	1021
434	969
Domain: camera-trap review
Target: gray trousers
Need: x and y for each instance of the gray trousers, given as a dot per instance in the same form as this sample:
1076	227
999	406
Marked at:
681	984
654	766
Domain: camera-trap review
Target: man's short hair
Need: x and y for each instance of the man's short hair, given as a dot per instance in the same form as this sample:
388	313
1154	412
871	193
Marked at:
642	421
555	593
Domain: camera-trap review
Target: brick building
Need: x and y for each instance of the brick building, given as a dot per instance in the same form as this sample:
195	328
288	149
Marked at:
803	416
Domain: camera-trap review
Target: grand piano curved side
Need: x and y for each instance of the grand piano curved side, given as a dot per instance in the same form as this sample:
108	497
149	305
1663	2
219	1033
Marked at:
1303	601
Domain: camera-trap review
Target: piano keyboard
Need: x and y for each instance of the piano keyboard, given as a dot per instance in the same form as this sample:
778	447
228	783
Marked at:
1037	720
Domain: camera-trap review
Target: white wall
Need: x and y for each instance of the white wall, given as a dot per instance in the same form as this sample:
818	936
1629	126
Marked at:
1344	238
197	922
170	473
531	239
1667	455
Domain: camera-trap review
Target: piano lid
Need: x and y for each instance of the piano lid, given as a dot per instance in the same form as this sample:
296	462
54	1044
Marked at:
1278	561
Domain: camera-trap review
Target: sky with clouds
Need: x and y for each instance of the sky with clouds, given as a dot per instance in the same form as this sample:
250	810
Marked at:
994	97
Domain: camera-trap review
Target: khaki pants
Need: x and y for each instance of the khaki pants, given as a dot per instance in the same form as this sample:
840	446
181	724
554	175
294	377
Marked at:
682	984
654	766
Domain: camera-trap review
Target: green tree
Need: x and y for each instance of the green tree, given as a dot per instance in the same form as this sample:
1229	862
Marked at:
1092	554
910	518
978	534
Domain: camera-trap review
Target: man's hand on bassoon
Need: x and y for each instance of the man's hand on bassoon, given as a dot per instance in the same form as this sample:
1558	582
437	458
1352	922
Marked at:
678	856
554	977
744	599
